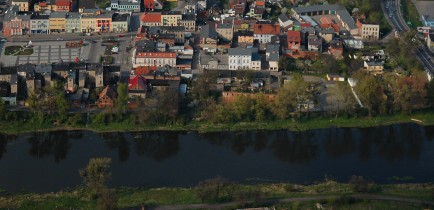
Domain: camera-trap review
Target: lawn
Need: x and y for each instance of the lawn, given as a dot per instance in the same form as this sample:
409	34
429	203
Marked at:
410	13
18	50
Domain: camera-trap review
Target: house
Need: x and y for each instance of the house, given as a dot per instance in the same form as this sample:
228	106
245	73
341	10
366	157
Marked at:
43	72
151	19
26	71
120	23
314	43
137	86
264	30
104	22
95	75
23	5
112	75
285	21
88	23
43	6
368	31
294	39
154	59
179	32
6	95
244	58
57	22
78	98
245	38
257	8
73	22
9	75
326	22
213	61
148	5
335	77
14	24
373	67
63	5
106	97
243	24
171	18
272	55
327	34
189	22
225	31
39	24
428	21
125	5
208	38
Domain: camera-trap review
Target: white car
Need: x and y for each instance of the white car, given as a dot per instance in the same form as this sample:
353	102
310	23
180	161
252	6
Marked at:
3	40
59	39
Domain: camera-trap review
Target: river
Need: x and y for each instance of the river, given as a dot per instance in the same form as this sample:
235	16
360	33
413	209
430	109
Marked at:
48	162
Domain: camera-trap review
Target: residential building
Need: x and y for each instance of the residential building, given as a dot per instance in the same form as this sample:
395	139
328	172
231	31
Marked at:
9	75
244	58
58	22
23	5
85	6
43	6
294	40
327	34
126	5
336	49
213	62
14	24
285	21
73	22
257	8
328	9
208	38
158	4
151	19
179	32
272	55
152	58
63	5
190	8
148	5
120	22
264	30
137	86
368	31
189	22
106	98
88	23
40	24
373	67
314	43
104	22
171	18
95	75
245	38
428	21
43	73
225	31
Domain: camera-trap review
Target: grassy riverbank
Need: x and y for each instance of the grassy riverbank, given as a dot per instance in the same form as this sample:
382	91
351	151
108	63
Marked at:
303	123
338	195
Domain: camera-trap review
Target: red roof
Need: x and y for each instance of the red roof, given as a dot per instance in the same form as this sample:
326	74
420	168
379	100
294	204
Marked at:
142	70
260	3
261	28
137	83
156	55
42	4
64	3
294	36
326	20
151	17
148	4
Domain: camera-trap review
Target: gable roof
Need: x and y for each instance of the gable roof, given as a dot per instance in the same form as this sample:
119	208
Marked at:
137	83
109	92
267	28
208	31
294	36
151	17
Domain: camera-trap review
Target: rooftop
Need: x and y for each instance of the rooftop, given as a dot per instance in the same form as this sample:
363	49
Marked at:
339	9
240	51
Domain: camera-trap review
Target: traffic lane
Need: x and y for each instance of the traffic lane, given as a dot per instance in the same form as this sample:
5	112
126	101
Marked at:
426	59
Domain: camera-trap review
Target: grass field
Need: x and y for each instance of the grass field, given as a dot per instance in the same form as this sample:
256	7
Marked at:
18	50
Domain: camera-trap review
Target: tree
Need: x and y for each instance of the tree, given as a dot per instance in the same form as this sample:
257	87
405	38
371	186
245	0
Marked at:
122	99
95	176
108	200
61	106
2	109
430	92
371	93
214	189
343	100
358	183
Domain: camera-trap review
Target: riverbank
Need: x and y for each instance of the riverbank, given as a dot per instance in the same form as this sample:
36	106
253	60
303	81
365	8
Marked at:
422	117
337	194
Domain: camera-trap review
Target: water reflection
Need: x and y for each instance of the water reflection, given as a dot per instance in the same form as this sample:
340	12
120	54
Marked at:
4	140
295	147
54	143
117	141
157	145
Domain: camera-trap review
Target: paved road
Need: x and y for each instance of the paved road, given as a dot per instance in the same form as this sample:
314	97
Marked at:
288	200
398	23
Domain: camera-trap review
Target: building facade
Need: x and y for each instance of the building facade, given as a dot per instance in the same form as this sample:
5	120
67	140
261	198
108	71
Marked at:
63	5
171	18
243	59
120	23
43	6
57	22
73	22
23	5
158	59
40	24
126	5
368	31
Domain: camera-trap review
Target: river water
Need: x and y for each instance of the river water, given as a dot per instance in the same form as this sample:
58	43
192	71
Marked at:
46	162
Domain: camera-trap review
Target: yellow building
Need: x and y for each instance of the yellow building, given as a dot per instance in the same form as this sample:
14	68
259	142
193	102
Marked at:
58	22
171	18
42	6
88	23
23	5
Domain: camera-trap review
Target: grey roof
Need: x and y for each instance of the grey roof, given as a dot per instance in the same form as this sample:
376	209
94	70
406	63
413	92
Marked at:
187	17
310	30
314	40
26	67
88	4
283	17
171	13
272	48
172	28
374	63
208	31
128	2
224	25
340	10
43	68
58	15
20	0
327	31
40	17
8	70
120	17
273	57
73	15
240	51
206	58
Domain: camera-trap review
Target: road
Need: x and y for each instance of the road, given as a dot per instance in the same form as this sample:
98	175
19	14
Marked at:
394	14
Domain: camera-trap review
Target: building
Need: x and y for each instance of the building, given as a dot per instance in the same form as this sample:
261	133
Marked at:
225	31
336	49
23	5
373	67
208	38
272	54
95	75
9	75
14	24
151	19
189	22
126	5
244	59
264	30
314	43
63	5
40	24
57	22
148	5
120	22
213	62
327	34
428	21
106	98
137	86
43	72
43	6
245	38
294	40
171	18
158	59
328	9
73	22
104	22
285	21
368	31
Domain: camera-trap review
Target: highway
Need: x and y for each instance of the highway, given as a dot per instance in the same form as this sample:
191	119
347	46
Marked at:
392	11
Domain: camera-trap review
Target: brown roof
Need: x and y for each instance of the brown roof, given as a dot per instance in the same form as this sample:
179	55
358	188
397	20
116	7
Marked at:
151	17
108	91
267	28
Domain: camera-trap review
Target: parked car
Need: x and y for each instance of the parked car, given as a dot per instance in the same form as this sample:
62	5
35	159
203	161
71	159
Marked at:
121	35
3	40
59	39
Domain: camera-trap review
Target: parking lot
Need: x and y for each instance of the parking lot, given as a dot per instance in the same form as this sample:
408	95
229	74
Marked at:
44	52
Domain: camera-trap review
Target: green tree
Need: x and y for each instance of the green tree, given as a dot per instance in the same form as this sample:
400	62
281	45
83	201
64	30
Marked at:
371	93
2	109
108	200
122	99
343	99
61	106
95	176
430	92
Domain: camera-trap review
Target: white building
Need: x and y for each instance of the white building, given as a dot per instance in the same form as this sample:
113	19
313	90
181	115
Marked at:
244	58
40	24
